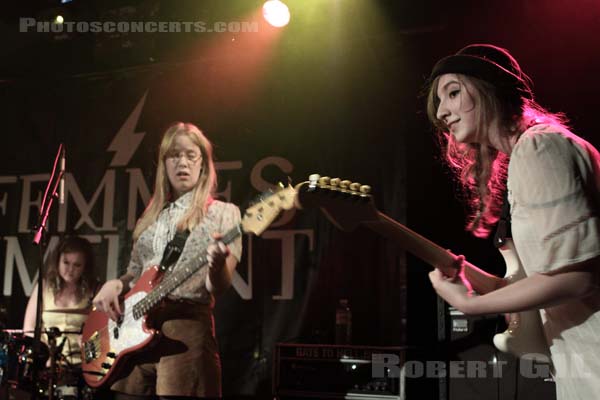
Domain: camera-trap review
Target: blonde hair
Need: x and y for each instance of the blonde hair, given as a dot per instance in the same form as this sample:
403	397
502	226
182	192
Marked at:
202	192
481	170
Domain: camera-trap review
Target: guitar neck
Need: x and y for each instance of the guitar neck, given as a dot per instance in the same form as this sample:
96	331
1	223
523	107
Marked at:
481	281
177	277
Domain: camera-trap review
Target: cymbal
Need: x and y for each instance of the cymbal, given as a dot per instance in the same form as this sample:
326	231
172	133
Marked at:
69	311
44	331
13	331
59	332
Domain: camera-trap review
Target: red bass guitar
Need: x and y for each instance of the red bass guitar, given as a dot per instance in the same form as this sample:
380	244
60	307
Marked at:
108	344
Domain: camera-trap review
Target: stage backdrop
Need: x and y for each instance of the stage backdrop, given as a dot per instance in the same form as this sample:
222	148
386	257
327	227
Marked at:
313	113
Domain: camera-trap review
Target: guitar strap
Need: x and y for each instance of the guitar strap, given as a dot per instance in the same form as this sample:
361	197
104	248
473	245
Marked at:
175	246
503	229
173	250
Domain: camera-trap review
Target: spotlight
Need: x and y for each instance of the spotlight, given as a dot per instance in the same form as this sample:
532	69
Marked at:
276	13
59	19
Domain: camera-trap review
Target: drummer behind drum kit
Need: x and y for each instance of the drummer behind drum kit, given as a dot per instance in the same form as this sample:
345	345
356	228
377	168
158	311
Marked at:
57	378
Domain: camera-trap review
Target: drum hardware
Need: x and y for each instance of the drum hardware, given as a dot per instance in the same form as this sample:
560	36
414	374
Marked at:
18	360
52	333
57	378
63	381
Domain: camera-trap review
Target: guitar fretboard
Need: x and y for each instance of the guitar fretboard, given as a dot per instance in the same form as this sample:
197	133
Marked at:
481	281
173	280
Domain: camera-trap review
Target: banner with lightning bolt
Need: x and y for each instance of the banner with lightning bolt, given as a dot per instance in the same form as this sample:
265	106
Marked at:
289	280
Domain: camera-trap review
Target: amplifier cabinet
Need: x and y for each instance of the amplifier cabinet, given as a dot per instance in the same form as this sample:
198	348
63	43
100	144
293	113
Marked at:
306	371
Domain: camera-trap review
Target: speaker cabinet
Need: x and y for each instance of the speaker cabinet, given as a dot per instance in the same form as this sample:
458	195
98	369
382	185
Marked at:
338	372
477	370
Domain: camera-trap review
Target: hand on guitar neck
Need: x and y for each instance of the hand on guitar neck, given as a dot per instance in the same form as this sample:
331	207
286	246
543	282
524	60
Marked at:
349	205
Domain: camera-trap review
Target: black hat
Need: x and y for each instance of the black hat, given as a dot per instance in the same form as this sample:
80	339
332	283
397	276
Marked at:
490	63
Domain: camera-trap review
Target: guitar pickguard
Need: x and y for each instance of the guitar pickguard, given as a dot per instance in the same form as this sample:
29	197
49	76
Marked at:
524	336
130	332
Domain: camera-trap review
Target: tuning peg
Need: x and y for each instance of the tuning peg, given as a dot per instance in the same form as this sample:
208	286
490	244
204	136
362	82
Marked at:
334	182
365	189
324	181
345	183
355	186
313	179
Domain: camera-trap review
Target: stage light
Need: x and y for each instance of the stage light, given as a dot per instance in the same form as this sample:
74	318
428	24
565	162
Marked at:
59	19
276	13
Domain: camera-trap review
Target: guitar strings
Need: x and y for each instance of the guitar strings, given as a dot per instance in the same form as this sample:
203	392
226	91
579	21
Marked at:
128	316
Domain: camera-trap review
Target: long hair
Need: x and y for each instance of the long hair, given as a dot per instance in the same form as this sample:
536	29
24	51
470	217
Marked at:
202	192
71	244
479	169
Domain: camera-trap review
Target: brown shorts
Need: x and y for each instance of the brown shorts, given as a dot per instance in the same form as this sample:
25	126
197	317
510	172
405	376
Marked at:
184	362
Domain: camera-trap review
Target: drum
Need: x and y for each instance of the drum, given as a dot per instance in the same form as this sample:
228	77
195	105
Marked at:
16	371
68	383
19	360
3	356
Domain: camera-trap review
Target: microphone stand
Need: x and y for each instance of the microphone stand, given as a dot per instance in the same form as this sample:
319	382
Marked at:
39	240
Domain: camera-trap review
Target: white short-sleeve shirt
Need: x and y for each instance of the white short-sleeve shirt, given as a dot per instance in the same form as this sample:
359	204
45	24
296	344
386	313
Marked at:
553	190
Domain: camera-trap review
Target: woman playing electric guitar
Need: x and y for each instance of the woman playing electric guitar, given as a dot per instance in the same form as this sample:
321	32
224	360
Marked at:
185	362
497	138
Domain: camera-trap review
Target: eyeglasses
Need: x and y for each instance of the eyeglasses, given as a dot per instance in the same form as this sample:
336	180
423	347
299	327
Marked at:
191	156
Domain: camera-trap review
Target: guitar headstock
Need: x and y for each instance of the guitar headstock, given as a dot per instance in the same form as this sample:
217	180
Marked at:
259	216
347	204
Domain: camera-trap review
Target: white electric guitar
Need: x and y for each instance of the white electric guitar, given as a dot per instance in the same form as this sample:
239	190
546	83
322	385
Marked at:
524	336
348	205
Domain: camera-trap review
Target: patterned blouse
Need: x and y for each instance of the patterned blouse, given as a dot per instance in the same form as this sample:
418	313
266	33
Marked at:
148	249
